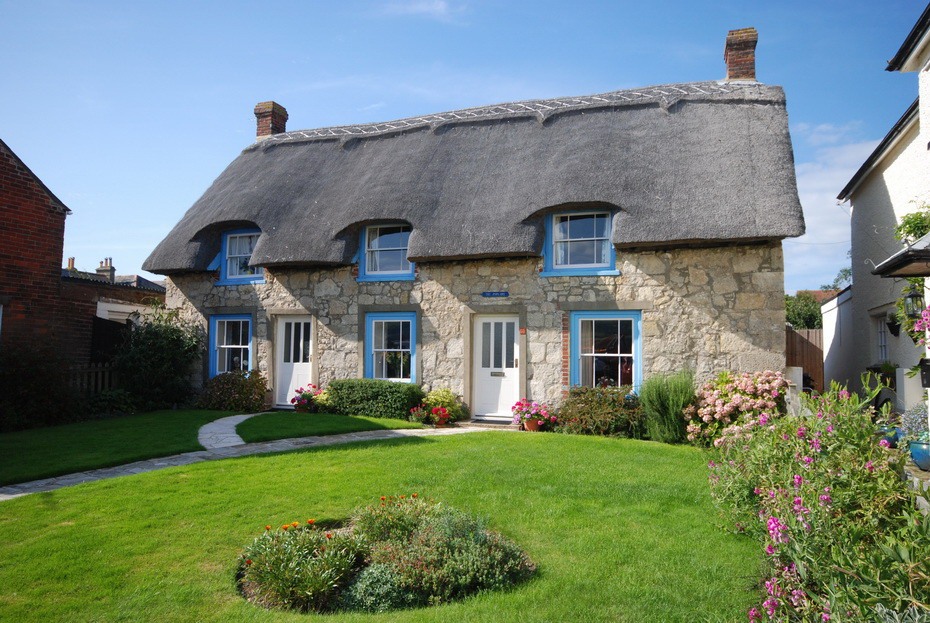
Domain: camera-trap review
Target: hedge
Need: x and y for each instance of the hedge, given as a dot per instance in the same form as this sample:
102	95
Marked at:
373	397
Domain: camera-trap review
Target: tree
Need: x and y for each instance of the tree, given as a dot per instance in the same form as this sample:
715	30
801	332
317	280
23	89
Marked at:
803	311
154	362
843	279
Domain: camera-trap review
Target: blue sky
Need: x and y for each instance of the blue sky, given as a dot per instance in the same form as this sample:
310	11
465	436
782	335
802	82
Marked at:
129	110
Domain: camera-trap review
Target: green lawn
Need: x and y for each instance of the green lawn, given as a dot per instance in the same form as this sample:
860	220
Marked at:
288	424
621	530
44	452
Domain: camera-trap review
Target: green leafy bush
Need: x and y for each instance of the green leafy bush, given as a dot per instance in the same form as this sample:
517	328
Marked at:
299	567
611	411
445	397
154	362
823	493
664	399
373	397
113	402
399	553
234	391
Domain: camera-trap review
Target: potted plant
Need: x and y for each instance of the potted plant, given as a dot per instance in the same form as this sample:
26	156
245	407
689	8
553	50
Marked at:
303	399
532	416
914	429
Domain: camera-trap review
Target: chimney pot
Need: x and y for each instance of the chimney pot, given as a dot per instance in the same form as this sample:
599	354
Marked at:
740	54
271	118
70	263
106	270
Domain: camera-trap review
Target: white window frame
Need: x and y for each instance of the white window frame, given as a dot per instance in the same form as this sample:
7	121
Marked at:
218	330
373	349
882	339
557	240
231	259
369	252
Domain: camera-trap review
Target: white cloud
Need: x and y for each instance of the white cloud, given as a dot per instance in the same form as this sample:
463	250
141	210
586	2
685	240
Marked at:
814	258
439	10
818	135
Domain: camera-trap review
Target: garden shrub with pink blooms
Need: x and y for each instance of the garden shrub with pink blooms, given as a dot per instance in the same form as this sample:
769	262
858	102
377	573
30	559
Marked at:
731	405
526	409
823	493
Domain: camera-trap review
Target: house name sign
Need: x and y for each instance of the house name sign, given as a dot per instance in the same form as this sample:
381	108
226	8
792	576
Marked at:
495	295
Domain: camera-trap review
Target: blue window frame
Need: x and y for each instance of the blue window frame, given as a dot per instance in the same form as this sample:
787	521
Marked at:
383	253
230	343
578	243
391	346
233	260
606	348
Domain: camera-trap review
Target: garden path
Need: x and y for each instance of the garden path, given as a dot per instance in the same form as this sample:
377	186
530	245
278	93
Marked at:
220	452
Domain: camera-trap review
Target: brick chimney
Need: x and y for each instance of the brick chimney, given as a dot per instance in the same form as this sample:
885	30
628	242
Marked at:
70	263
271	118
740	54
106	270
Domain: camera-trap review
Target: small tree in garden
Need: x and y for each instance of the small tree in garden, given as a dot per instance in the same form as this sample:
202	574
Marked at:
154	362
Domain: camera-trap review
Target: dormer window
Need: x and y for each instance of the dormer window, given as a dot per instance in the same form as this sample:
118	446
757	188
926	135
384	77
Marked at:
578	243
235	256
384	253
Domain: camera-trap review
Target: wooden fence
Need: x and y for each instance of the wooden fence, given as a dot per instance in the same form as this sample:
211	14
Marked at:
804	349
93	378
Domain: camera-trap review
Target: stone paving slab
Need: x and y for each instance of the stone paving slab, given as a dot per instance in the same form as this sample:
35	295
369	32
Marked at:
243	449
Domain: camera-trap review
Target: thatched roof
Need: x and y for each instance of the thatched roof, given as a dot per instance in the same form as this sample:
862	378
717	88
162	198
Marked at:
699	163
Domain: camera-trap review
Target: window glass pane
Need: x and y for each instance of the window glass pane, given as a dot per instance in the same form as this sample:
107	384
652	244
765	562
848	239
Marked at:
306	346
602	227
587	371
561	228
287	342
392	335
508	344
394	237
626	370
498	345
606	370
560	256
404	335
485	344
626	337
605	337
582	252
243	332
378	342
394	261
587	336
582	226
296	344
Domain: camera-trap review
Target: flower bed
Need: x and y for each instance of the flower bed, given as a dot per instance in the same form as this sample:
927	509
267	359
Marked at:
402	552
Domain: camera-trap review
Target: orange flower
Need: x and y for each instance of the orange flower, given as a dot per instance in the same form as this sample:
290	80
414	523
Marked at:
285	527
414	495
267	527
295	524
402	497
382	498
310	522
329	535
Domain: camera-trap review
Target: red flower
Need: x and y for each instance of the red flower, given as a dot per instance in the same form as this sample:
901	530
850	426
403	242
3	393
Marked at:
311	522
382	498
329	535
414	495
248	561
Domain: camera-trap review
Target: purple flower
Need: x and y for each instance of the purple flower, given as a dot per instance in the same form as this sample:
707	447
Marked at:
884	443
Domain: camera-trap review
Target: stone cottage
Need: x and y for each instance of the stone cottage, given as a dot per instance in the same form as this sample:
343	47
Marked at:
504	251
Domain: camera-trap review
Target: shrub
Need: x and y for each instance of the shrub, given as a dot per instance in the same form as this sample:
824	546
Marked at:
664	399
154	362
401	552
728	404
445	397
299	567
376	588
823	494
611	411
112	401
234	391
373	397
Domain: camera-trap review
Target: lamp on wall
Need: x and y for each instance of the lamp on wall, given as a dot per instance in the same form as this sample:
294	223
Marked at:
914	302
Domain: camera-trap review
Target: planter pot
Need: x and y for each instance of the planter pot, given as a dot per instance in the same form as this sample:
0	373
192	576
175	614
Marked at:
444	425
531	425
920	454
302	409
891	434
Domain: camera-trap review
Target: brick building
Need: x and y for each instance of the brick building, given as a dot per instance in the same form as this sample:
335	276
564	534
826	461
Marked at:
42	306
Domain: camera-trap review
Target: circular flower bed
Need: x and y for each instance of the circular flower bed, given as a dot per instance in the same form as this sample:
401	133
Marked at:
402	552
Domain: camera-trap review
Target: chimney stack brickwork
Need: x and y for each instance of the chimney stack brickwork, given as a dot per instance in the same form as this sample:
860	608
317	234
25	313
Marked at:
106	270
271	118
740	54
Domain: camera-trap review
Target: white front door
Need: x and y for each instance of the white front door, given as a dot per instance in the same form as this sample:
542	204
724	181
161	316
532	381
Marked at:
496	385
293	354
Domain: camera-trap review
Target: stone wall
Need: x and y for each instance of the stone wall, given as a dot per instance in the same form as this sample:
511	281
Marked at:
704	309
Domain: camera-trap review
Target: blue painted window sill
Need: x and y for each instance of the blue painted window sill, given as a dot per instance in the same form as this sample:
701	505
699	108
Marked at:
386	277
581	272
